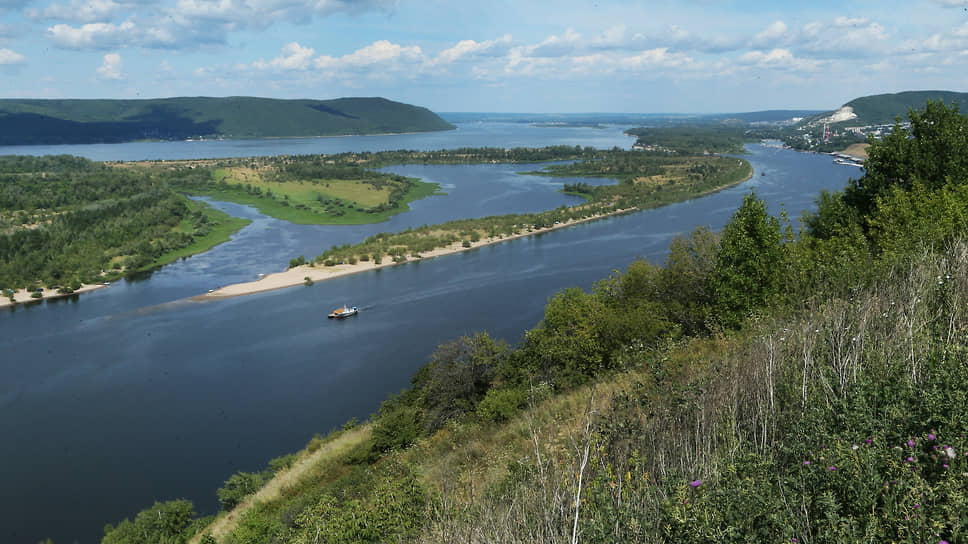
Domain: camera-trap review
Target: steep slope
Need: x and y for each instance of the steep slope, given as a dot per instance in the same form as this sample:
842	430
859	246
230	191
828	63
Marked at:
882	109
31	121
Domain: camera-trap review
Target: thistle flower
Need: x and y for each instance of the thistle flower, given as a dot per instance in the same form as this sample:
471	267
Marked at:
695	483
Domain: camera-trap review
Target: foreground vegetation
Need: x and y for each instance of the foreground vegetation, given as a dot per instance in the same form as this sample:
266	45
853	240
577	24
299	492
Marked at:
757	387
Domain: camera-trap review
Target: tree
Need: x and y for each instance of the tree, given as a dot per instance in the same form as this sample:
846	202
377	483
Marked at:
750	263
931	152
239	486
162	523
457	377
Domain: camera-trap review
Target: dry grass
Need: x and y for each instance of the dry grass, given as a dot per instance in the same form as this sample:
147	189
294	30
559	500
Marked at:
305	466
857	150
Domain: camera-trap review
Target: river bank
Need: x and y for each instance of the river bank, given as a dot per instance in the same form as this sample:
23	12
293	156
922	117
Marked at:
298	275
23	296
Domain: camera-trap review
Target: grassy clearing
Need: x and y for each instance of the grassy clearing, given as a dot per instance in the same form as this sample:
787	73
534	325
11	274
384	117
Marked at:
326	202
308	192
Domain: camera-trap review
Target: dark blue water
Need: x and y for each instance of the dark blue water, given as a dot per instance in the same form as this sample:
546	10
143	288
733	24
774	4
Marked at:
132	394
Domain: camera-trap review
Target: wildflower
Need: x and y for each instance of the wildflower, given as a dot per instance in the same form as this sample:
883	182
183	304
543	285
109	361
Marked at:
910	459
695	483
931	436
911	443
917	506
868	440
806	463
833	468
950	452
854	447
945	465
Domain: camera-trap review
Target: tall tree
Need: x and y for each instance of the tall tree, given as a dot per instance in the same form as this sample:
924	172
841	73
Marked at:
749	266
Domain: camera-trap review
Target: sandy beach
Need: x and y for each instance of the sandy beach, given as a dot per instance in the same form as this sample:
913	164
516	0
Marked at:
297	275
24	296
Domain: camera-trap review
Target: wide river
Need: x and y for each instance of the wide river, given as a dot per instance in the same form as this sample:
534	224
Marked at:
133	393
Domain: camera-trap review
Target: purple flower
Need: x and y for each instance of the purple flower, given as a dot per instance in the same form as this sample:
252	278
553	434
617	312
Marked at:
910	459
833	468
805	463
931	436
942	542
917	506
695	483
911	443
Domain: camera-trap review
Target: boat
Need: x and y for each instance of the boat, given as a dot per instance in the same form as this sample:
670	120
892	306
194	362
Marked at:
345	311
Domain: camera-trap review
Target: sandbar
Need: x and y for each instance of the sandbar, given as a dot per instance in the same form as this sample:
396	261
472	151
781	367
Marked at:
297	275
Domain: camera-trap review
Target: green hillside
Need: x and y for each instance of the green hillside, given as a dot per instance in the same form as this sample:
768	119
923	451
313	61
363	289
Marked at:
882	109
759	386
36	121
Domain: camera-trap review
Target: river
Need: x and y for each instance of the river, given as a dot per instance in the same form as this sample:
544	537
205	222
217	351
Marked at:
133	394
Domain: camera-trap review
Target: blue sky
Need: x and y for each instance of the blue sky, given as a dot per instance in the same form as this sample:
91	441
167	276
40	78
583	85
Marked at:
494	55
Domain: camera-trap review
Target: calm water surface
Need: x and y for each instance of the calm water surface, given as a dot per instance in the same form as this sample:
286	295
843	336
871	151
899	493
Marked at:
132	394
484	134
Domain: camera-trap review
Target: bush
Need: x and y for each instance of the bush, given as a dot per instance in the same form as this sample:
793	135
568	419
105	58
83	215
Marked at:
466	243
397	427
501	404
238	487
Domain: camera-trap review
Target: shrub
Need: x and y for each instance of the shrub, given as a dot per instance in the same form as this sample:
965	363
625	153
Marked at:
239	486
501	404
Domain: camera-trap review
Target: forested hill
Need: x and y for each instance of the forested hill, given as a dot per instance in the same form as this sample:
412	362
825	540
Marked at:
881	109
37	121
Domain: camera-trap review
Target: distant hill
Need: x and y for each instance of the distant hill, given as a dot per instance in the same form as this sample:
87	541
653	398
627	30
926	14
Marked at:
68	121
882	109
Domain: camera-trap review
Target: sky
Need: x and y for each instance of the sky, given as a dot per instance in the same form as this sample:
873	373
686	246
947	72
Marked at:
672	56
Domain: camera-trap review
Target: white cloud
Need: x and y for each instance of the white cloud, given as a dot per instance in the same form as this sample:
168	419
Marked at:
294	57
93	35
777	32
262	13
845	36
781	59
952	3
111	67
472	49
10	57
79	11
